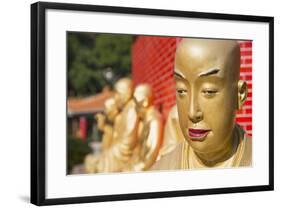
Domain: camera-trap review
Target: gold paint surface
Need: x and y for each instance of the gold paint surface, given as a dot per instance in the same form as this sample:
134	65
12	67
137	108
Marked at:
115	158
151	132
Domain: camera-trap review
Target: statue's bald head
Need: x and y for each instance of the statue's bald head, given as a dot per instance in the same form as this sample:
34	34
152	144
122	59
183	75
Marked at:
143	97
143	92
124	85
204	53
123	91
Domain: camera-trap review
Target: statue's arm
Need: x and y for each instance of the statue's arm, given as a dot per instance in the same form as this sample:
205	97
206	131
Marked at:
128	138
153	143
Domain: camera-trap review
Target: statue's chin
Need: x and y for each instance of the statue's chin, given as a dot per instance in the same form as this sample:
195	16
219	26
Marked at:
200	145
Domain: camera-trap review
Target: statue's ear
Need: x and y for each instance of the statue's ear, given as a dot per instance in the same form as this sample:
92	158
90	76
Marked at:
242	93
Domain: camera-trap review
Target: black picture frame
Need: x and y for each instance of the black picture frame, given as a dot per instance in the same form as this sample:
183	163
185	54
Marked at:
38	102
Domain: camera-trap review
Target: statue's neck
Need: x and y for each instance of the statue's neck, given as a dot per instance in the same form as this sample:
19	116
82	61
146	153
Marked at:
147	113
224	153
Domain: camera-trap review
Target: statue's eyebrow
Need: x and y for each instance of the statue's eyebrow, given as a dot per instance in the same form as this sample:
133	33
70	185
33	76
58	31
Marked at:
209	72
179	75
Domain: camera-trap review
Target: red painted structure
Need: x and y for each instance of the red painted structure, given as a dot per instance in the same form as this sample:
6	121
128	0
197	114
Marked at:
153	63
83	127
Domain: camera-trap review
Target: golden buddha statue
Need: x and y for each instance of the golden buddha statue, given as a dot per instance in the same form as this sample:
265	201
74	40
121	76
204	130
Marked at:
115	158
172	133
105	124
208	93
151	133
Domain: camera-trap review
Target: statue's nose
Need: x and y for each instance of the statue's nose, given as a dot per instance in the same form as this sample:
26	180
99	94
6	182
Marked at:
195	114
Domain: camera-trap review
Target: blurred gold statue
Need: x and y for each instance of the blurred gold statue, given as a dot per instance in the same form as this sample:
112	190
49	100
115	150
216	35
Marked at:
208	93
115	158
172	133
111	112
151	133
105	124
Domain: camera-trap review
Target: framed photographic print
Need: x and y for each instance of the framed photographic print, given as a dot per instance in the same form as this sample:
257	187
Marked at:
130	103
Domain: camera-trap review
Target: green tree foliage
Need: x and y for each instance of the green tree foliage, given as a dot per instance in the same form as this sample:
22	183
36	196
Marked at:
77	150
89	55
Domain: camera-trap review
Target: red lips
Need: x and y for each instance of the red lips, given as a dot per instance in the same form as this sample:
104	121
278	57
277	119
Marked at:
197	134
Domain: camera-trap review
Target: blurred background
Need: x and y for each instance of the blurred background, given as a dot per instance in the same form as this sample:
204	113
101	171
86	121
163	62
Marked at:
94	62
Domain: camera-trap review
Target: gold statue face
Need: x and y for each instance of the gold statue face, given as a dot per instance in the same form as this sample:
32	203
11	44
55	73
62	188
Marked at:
143	98
111	109
208	91
123	91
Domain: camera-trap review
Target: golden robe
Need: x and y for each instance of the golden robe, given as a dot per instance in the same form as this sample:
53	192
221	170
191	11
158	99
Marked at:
150	140
172	133
182	157
116	157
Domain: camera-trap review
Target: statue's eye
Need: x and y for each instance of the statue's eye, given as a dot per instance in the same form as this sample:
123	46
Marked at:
209	92
181	91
